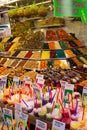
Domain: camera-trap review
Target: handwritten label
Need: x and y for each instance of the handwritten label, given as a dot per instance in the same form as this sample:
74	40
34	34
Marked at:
40	125
18	107
69	88
23	116
39	76
57	125
16	79
84	96
63	83
8	116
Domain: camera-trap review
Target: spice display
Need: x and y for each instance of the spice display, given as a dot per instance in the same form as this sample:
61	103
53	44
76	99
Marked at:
22	54
63	44
16	53
83	50
31	65
76	51
78	43
83	59
69	53
36	54
51	45
14	63
60	54
52	54
32	40
78	63
28	55
43	64
8	62
57	45
45	46
21	63
56	63
3	60
51	35
62	35
45	55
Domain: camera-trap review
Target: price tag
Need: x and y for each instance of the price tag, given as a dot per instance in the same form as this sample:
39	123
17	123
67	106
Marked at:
57	125
84	96
40	125
39	76
23	116
22	122
8	116
63	83
18	107
26	77
40	82
16	79
4	79
17	115
69	88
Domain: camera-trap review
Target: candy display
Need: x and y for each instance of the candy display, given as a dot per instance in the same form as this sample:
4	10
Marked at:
31	65
42	72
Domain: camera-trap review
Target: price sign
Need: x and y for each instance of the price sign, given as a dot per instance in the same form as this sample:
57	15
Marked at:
57	125
22	122
84	96
16	79
63	83
4	79
69	88
18	110
40	82
40	125
39	76
18	107
8	116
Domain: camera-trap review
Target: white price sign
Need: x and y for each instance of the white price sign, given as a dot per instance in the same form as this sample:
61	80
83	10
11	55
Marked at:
40	125
18	107
17	115
63	83
23	116
69	86
16	79
8	116
40	81
39	76
57	125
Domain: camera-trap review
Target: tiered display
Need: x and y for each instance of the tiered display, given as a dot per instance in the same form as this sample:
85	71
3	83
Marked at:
42	49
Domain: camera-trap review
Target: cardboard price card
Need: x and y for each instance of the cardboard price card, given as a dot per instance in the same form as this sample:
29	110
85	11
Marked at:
18	110
57	125
7	113
69	88
8	116
84	97
63	83
22	122
40	125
